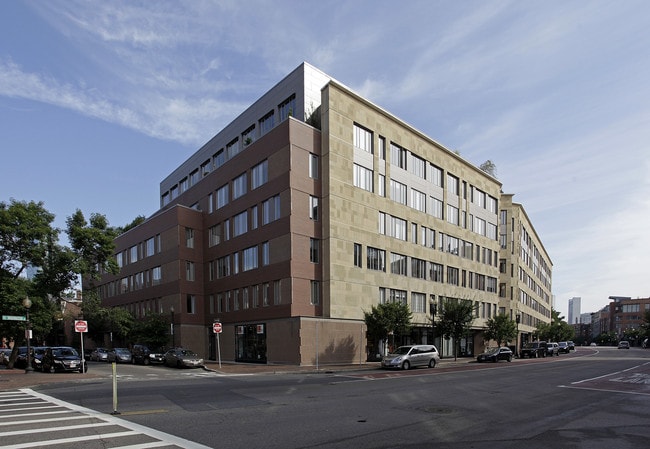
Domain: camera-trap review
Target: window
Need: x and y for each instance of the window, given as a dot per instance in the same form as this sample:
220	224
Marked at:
232	149
362	138
205	169
174	192
259	174
183	185
271	209
277	292
256	295
240	224
265	254
362	178
245	298
265	294
314	250
133	254
492	204
223	195
452	184
417	166
435	175
397	296
194	177
267	123
250	258
452	276
376	259
357	255
418	268
315	293
214	235
398	192
189	237
156	275
211	203
452	214
239	186
392	226
248	136
398	155
287	108
435	272
313	208
418	302
418	200
211	272
219	158
436	208
150	247
223	267
479	226
254	217
381	187
191	304
398	264
165	199
313	166
189	270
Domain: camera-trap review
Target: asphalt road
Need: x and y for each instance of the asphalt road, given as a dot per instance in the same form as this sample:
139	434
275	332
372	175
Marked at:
590	399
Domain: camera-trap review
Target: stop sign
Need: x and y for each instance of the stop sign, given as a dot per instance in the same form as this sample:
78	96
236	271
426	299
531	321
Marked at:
217	328
81	326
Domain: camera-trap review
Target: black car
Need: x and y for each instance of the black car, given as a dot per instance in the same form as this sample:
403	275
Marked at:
564	347
495	354
61	359
143	355
534	349
37	360
572	345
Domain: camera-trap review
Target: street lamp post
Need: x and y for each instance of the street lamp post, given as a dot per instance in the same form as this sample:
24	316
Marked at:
517	319
27	303
171	310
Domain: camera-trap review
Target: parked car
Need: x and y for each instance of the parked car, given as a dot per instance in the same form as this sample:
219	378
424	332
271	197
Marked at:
572	346
99	355
406	357
495	354
5	353
183	358
21	359
552	349
623	345
564	347
533	349
142	354
62	358
119	355
37	361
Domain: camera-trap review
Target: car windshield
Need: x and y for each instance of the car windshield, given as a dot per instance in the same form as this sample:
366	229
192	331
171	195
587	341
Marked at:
402	350
63	352
491	350
121	351
187	353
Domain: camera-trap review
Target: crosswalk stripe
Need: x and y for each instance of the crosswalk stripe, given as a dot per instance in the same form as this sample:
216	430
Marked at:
71	440
54	429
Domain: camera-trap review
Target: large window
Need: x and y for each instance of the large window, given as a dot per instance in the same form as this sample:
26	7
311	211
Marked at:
313	166
392	226
452	275
240	224
266	256
398	155
436	208
214	235
189	237
314	250
239	186
452	184
436	272
418	268
315	293
271	209
150	247
250	260
362	138
452	214
376	259
398	191
219	158
398	264
313	207
287	108
436	175
223	267
189	270
418	166
156	275
363	178
267	123
223	194
418	302
418	200
259	174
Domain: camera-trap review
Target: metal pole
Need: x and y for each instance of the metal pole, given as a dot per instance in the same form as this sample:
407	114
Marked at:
219	349
115	412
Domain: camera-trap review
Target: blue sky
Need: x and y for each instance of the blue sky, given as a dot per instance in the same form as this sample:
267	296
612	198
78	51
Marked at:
100	100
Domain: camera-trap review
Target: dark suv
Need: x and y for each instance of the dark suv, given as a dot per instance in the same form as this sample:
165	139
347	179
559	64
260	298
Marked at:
62	358
143	355
534	349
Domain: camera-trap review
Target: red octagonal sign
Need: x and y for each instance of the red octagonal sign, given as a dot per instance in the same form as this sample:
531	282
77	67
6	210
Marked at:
217	328
81	326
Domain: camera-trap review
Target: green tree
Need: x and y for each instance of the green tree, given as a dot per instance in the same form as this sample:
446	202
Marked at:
501	329
456	320
386	319
557	330
152	331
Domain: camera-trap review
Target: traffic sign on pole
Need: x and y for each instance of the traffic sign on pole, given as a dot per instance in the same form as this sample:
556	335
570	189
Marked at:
217	328
80	326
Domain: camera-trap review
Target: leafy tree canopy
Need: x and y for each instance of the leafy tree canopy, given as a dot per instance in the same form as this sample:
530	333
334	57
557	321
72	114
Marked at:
456	320
501	329
556	330
388	317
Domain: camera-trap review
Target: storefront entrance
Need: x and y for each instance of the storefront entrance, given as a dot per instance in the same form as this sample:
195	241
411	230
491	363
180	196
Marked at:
250	343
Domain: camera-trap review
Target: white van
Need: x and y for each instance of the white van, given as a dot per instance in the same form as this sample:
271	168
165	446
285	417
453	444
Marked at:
406	357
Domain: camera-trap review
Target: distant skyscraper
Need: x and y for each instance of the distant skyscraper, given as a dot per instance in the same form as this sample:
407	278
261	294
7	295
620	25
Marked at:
574	310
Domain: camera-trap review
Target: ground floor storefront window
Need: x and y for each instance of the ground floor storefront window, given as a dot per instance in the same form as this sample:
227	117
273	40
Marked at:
250	343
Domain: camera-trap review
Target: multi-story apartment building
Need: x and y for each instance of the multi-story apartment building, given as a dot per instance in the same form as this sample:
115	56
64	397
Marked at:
526	271
627	314
308	209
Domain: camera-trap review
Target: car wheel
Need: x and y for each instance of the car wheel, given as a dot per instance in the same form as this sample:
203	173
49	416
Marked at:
145	361
432	363
406	365
179	364
509	358
495	360
51	369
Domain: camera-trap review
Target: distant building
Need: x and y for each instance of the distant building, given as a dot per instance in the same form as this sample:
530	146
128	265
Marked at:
574	310
627	314
585	318
308	209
